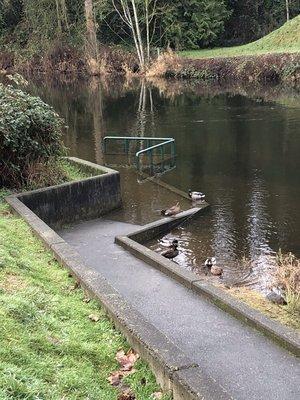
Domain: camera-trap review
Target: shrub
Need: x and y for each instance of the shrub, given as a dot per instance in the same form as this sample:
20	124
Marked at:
30	135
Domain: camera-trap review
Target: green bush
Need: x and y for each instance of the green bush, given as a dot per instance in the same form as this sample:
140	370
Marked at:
30	135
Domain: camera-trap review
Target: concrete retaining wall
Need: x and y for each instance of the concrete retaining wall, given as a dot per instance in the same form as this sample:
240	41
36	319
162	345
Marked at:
134	243
161	227
73	201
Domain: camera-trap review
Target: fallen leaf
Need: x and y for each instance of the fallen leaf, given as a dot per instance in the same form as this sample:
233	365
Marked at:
157	395
94	317
127	360
126	373
86	300
115	378
128	395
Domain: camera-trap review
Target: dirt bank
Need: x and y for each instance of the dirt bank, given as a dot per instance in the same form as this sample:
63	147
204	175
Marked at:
265	69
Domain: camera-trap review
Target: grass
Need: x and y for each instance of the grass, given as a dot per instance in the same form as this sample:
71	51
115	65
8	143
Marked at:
55	173
286	39
74	172
49	347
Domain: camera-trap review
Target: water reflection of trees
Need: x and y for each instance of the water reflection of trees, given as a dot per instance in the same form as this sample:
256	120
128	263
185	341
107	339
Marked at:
215	143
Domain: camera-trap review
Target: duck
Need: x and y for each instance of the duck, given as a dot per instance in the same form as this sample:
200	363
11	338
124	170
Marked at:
276	296
172	251
171	211
196	196
210	265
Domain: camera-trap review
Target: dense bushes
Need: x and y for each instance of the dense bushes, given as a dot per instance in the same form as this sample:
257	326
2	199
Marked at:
30	135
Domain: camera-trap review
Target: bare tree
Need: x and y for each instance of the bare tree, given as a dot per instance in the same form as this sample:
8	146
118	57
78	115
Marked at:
134	15
92	50
287	3
62	16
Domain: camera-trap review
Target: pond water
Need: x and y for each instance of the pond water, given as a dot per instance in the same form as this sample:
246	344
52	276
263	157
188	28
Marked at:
241	147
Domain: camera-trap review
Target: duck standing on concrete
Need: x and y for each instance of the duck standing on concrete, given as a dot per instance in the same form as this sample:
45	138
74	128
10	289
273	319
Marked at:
171	211
210	266
172	251
196	196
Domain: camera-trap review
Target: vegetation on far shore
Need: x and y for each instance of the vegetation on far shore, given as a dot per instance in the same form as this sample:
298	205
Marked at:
286	39
125	37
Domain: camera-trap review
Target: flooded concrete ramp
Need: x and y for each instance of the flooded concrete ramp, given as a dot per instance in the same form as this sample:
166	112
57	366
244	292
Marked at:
240	359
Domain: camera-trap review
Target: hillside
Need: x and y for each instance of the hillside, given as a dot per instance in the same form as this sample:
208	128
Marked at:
284	39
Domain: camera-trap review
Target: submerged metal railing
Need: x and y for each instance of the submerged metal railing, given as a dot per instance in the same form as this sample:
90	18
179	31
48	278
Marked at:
148	150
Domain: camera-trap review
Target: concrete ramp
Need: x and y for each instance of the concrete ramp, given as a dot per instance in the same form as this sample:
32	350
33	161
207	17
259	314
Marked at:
235	356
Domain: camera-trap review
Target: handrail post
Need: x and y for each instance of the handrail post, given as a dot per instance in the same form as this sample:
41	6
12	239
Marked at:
151	161
126	146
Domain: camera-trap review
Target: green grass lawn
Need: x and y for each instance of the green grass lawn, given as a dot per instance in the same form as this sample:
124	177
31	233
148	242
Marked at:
49	347
283	40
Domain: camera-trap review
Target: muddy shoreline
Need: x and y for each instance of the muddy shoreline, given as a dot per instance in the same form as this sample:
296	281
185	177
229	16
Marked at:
274	69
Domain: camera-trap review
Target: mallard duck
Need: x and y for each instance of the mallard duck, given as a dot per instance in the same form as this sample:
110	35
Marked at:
276	296
172	251
196	196
210	265
171	211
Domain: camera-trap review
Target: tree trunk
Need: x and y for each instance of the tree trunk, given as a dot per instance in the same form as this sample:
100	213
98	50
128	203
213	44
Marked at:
287	10
138	33
92	51
147	30
58	16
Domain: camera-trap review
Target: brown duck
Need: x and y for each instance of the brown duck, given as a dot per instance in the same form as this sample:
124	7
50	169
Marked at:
210	265
171	211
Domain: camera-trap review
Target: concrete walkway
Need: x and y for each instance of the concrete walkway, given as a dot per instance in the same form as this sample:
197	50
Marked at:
240	359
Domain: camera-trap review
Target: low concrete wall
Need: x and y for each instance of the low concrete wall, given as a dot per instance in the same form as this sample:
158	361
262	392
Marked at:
73	201
161	227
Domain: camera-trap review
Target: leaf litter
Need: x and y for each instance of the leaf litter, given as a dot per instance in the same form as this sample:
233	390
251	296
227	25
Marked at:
126	362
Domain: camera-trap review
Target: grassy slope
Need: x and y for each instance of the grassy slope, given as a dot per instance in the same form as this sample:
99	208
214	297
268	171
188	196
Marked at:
284	39
49	348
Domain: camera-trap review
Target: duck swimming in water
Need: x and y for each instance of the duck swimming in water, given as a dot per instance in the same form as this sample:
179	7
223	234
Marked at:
196	196
171	211
210	266
172	251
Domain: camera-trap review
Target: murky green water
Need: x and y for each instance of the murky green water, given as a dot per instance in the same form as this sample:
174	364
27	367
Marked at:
240	148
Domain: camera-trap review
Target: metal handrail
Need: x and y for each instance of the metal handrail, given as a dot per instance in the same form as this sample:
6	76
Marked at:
165	141
154	147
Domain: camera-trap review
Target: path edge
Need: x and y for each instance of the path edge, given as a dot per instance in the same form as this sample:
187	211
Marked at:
284	336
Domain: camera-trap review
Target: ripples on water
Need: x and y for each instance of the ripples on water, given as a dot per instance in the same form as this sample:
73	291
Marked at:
241	150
